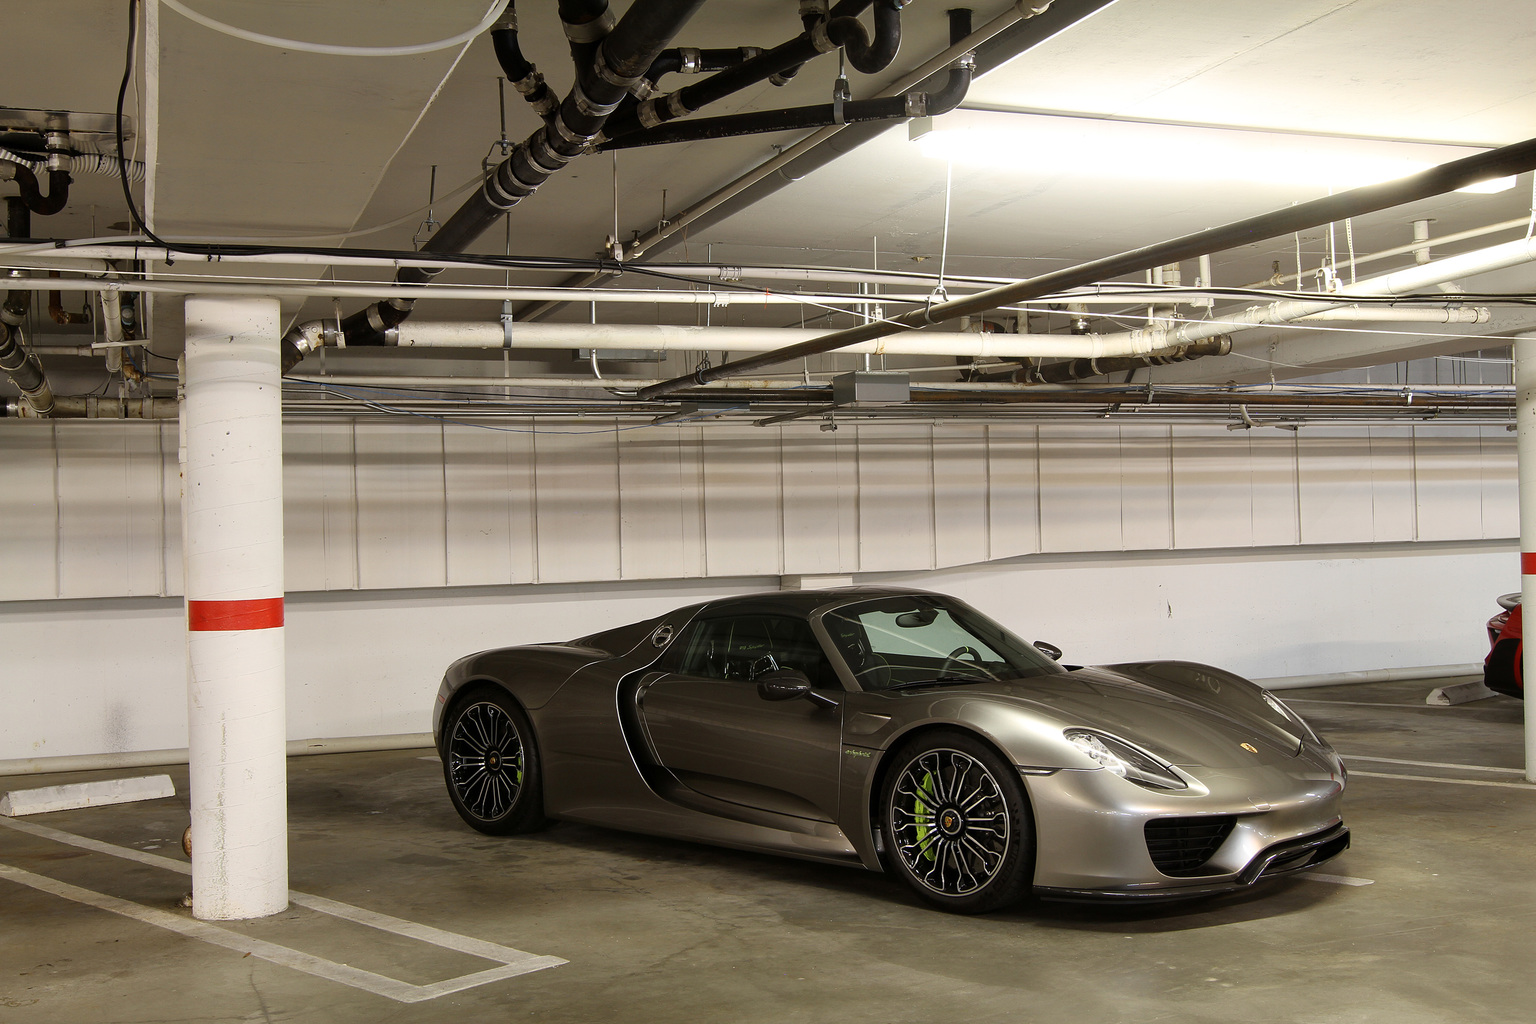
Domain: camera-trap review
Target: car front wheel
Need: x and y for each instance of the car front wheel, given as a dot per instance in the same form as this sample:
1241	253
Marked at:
491	765
956	824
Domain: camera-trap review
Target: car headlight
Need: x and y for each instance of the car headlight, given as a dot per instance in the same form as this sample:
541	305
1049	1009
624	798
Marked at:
1130	763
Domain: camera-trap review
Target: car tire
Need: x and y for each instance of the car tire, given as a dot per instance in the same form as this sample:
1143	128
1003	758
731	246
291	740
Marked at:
956	823
491	763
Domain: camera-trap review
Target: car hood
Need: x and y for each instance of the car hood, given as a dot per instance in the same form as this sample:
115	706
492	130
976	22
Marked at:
1174	715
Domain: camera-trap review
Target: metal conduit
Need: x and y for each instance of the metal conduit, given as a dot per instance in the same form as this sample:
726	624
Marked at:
1447	177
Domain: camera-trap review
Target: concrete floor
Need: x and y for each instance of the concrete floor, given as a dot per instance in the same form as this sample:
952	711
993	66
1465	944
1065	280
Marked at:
658	931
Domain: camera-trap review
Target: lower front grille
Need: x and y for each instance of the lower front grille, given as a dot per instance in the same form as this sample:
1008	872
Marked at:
1181	846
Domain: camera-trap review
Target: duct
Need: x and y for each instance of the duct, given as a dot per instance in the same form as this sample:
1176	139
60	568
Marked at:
1448	177
890	108
1024	26
620	59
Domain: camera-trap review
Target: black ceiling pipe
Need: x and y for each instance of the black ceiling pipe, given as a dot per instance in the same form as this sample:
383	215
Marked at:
31	193
869	54
525	78
995	52
18	218
776	61
1065	371
621	59
821	115
1448	177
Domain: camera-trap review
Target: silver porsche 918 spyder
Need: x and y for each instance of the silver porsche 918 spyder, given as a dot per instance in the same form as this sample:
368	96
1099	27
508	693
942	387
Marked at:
899	731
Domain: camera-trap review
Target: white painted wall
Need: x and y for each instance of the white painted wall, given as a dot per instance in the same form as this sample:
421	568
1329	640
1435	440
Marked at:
92	508
96	676
409	544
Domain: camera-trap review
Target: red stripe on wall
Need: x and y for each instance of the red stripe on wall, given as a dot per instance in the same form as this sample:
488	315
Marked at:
204	616
1527	563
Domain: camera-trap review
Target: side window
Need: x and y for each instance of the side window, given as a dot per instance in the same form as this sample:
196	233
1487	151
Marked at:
746	646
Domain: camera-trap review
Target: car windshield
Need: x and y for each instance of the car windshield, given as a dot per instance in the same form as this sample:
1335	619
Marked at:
909	641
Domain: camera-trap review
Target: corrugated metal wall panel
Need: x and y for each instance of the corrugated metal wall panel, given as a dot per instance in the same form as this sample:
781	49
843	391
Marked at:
377	505
1448	482
895	497
401	514
743	501
29	508
576	487
1146	488
109	514
960	499
820	514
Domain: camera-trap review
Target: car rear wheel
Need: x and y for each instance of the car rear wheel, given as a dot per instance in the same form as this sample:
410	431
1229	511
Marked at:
956	824
491	765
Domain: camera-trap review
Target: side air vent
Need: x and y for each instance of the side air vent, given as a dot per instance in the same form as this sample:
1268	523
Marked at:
1181	846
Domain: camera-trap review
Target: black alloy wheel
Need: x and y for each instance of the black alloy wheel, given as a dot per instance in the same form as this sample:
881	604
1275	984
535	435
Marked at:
956	824
491	765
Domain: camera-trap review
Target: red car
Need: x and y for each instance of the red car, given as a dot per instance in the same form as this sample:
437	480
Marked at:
1502	669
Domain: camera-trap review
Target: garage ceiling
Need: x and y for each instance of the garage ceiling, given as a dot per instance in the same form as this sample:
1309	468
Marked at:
251	141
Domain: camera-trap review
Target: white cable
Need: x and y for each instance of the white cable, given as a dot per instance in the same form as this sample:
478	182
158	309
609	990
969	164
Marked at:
339	51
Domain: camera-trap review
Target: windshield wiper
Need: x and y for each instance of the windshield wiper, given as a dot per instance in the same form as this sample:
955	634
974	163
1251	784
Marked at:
935	681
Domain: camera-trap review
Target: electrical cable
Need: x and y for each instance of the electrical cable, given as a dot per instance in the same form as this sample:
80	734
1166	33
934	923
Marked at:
122	93
337	50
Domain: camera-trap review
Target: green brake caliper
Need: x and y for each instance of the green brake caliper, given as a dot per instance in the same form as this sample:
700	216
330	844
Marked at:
921	816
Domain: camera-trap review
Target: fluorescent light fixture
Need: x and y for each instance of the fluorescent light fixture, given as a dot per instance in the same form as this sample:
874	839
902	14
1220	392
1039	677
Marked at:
1048	145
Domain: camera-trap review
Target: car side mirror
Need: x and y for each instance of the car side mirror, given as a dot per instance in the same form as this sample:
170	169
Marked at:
790	684
1049	650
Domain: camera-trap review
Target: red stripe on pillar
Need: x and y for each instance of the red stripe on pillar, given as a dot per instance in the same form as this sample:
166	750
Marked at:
1527	563
204	616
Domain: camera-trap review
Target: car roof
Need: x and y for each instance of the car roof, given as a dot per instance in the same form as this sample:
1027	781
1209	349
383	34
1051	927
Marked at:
800	602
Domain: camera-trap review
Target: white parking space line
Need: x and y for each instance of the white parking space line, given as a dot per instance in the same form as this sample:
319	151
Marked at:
154	860
1434	764
1449	782
1315	876
513	961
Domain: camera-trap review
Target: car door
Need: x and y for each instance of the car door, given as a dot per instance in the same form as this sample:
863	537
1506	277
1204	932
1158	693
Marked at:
707	724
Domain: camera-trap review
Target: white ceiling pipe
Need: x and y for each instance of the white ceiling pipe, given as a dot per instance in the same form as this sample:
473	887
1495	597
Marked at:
1400	250
112	327
232	522
1402	282
1405	314
669	338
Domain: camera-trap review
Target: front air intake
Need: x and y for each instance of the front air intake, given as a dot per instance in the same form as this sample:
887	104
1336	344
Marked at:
1181	846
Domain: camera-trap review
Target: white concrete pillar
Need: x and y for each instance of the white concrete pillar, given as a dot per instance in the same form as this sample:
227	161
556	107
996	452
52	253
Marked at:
1525	423
232	519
